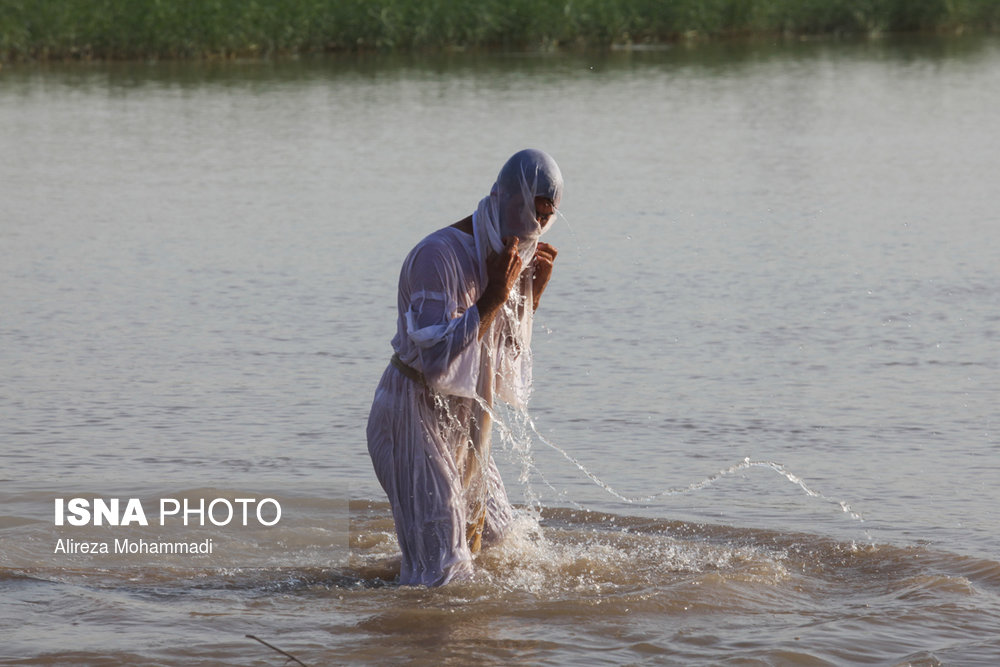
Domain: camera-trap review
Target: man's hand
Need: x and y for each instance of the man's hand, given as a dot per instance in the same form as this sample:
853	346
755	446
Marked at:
503	269
545	256
502	272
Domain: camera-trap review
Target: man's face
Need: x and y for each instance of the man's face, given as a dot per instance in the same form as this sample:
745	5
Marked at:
545	211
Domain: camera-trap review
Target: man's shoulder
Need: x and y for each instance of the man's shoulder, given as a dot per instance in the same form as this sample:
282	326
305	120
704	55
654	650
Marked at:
445	240
447	251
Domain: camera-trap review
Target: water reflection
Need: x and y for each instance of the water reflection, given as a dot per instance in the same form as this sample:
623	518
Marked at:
703	58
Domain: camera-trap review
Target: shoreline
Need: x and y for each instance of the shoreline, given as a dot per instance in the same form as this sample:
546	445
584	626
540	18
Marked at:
78	30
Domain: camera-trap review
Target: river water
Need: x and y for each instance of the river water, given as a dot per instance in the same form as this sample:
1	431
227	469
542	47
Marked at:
764	423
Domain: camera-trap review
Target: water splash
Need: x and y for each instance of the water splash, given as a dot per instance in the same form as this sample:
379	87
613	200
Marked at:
519	430
519	436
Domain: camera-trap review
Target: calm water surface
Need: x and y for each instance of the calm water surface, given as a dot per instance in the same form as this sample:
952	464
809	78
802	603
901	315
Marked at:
764	425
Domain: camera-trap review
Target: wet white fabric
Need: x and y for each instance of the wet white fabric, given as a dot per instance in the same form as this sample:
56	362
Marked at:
429	442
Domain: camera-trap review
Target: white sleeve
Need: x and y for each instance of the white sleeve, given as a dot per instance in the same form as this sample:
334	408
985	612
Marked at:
446	339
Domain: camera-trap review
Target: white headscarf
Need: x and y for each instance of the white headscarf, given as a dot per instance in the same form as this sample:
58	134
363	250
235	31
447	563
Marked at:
509	210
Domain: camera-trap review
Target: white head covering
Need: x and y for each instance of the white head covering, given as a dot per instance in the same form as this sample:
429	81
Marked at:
509	210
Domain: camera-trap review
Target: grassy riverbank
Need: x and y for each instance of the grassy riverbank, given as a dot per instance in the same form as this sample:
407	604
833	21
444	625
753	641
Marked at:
31	29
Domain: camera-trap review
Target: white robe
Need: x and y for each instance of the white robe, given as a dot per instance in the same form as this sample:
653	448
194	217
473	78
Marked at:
423	438
429	438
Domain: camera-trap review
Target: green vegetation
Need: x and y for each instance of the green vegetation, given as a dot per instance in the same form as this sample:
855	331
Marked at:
218	28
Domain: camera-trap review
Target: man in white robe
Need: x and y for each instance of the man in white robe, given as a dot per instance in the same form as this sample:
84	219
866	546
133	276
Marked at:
466	298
